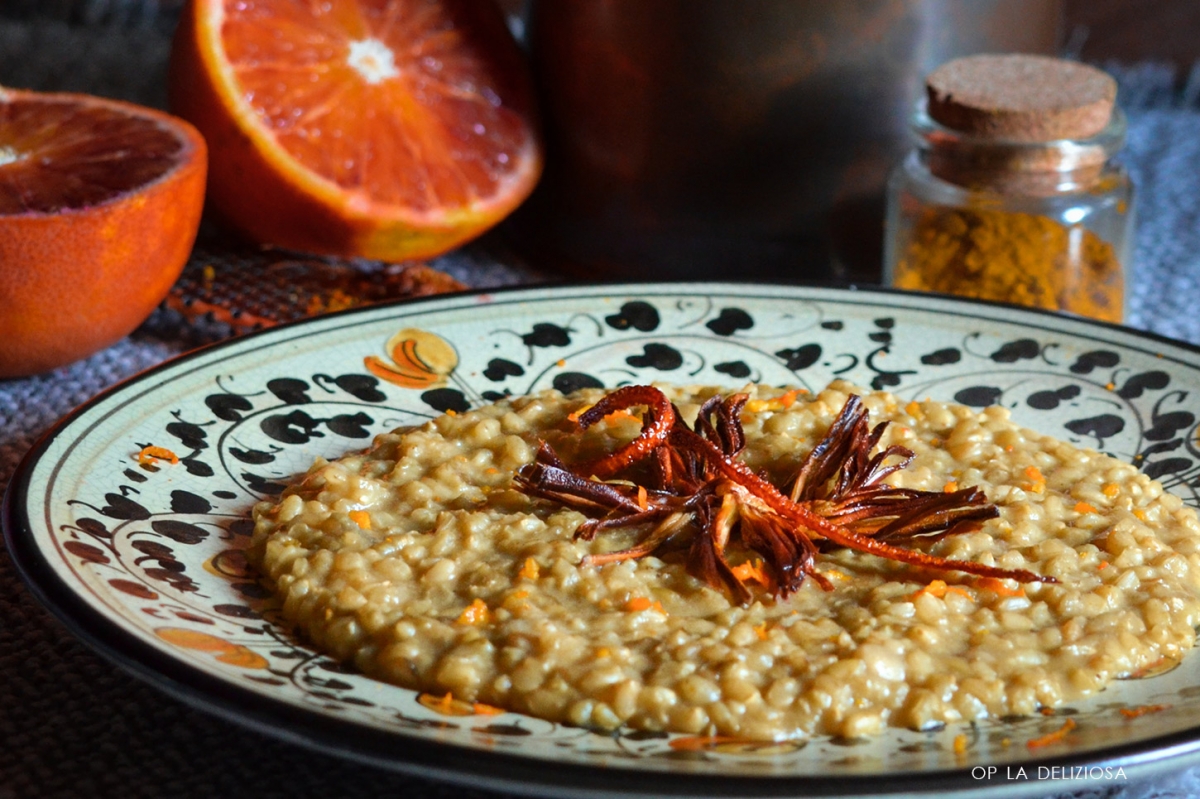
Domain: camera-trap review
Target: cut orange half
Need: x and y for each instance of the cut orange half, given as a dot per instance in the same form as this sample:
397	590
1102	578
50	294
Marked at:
389	129
99	206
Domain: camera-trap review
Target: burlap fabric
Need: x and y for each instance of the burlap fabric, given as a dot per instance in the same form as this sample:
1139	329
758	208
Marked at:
72	724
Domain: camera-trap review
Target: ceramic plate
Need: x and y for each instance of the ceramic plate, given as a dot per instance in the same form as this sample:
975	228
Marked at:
144	559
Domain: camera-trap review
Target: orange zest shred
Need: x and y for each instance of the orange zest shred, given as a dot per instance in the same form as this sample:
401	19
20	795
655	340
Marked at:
475	613
639	603
529	570
950	487
697	743
939	589
913	409
960	744
361	518
1037	481
1140	514
519	594
561	362
761	631
486	710
1052	737
1103	565
1111	490
151	454
753	571
1084	507
642	498
837	575
1149	668
997	586
1135	712
573	416
936	588
783	401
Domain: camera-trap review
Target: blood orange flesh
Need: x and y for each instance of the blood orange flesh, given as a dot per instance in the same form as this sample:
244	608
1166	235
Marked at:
99	206
390	129
63	154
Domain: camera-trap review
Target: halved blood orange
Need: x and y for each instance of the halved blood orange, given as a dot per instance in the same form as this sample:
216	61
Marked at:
100	202
389	129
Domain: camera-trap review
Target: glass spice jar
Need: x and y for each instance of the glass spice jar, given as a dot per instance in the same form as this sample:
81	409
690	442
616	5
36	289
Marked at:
1011	193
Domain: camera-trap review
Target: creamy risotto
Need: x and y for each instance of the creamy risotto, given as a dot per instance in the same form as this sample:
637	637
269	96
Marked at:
420	563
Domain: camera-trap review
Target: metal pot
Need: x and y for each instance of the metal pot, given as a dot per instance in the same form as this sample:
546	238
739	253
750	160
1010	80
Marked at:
748	138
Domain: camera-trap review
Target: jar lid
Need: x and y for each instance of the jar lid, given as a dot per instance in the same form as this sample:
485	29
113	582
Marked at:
1017	97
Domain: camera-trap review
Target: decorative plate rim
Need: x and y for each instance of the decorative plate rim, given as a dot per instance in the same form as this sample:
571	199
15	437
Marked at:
400	751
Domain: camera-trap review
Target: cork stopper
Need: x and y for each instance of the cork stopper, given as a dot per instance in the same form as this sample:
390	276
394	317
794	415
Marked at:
1025	98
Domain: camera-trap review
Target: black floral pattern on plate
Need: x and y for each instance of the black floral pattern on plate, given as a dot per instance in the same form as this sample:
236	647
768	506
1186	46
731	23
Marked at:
162	544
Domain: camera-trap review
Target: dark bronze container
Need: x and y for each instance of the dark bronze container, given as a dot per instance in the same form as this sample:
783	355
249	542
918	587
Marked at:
738	138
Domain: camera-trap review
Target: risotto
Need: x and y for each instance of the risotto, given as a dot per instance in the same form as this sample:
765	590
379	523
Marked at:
420	563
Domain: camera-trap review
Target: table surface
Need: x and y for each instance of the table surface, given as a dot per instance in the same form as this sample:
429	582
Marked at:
73	724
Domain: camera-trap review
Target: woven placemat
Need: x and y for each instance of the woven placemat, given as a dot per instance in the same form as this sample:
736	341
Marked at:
255	290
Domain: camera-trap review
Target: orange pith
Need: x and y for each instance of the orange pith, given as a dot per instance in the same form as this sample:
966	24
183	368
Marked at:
385	128
99	206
